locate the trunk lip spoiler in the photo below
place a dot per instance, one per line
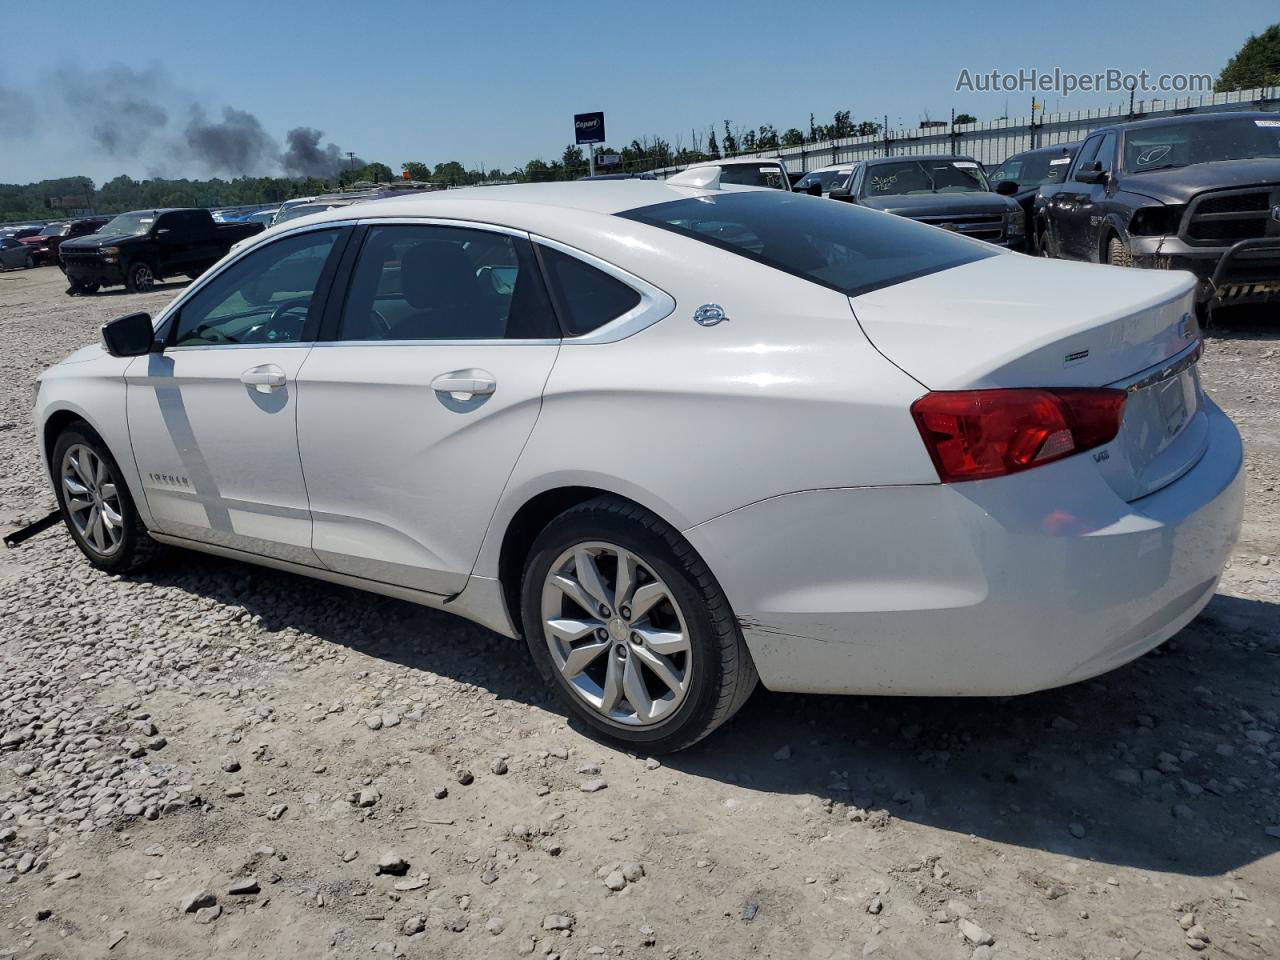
(1164, 370)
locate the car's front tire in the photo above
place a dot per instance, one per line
(140, 277)
(96, 505)
(629, 626)
(1118, 253)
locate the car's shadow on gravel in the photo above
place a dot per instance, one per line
(1253, 322)
(1151, 766)
(169, 286)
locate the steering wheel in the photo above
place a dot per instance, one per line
(278, 320)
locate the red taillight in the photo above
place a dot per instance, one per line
(972, 434)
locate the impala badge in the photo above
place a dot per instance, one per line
(1187, 326)
(709, 314)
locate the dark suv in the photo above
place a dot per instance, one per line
(1198, 193)
(1032, 169)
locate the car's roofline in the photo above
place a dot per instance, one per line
(1156, 122)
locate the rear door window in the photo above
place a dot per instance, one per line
(836, 245)
(429, 282)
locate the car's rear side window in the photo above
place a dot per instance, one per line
(586, 298)
(834, 244)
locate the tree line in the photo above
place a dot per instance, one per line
(30, 201)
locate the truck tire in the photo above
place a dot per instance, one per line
(78, 289)
(1118, 253)
(139, 277)
(1044, 245)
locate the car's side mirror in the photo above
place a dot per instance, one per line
(814, 189)
(1091, 172)
(128, 336)
(841, 193)
(1006, 188)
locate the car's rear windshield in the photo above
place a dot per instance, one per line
(834, 244)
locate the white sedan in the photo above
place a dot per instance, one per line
(677, 439)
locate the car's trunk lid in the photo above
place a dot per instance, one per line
(1013, 321)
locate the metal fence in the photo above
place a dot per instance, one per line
(992, 143)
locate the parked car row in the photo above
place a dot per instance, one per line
(1197, 193)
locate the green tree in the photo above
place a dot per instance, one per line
(730, 141)
(451, 173)
(792, 137)
(417, 170)
(1256, 64)
(841, 126)
(377, 172)
(713, 148)
(966, 118)
(573, 161)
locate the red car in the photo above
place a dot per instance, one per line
(47, 241)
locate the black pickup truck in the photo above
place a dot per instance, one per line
(948, 191)
(1198, 193)
(139, 248)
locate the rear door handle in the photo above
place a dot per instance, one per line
(475, 383)
(264, 378)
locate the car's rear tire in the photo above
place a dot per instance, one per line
(96, 505)
(626, 622)
(30, 262)
(139, 278)
(1118, 253)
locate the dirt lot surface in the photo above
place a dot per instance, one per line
(219, 760)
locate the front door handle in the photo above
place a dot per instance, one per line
(472, 383)
(264, 378)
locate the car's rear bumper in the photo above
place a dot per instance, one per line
(989, 588)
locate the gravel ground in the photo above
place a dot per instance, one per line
(220, 760)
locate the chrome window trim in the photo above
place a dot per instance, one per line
(217, 269)
(655, 304)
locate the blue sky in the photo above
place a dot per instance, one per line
(497, 83)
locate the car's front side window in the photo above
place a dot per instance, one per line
(266, 297)
(1088, 153)
(431, 282)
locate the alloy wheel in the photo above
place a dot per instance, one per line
(93, 499)
(616, 634)
(143, 278)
